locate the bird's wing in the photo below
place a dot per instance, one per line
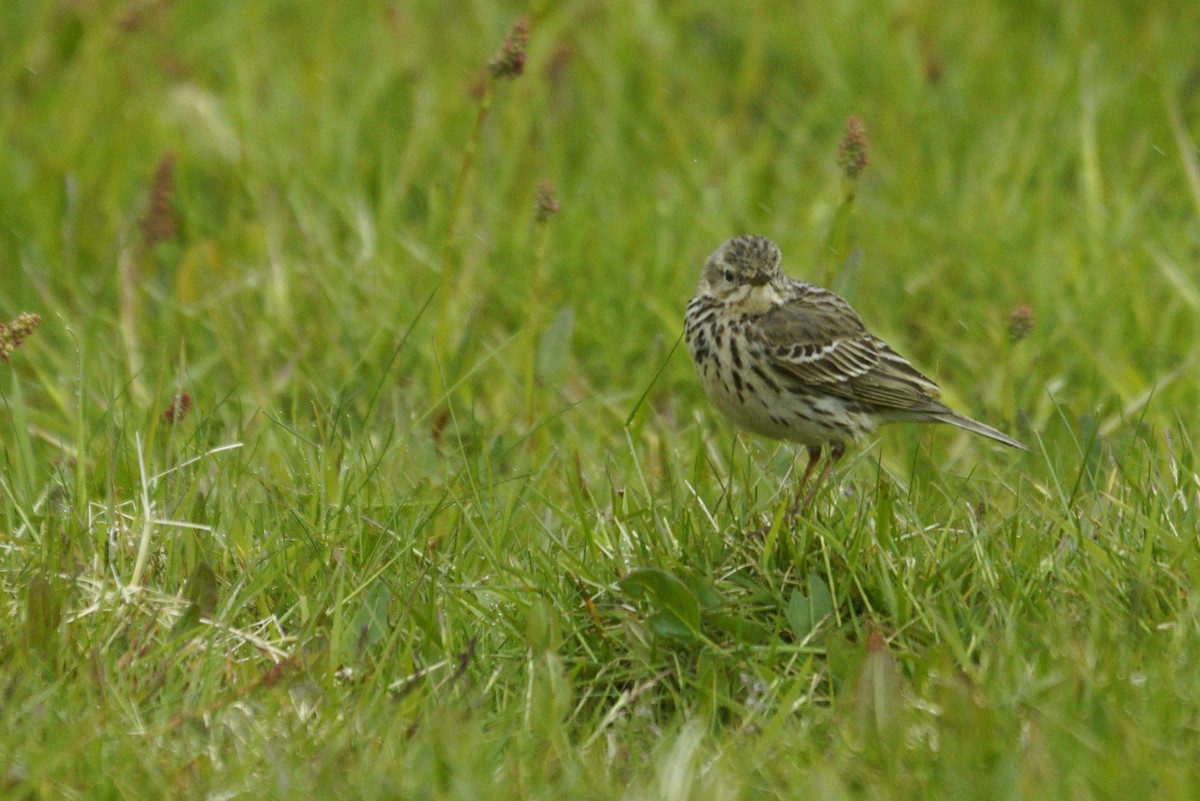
(819, 340)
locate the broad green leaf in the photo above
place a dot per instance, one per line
(805, 613)
(799, 615)
(371, 622)
(743, 630)
(542, 631)
(706, 594)
(819, 598)
(879, 692)
(667, 624)
(670, 594)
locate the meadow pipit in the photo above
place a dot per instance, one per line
(789, 360)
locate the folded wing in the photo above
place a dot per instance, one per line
(821, 341)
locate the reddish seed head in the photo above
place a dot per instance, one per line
(852, 154)
(158, 224)
(14, 333)
(178, 408)
(510, 61)
(1020, 322)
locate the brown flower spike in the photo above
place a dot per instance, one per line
(1020, 322)
(545, 204)
(178, 408)
(852, 154)
(158, 224)
(510, 61)
(14, 333)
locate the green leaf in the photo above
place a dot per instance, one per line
(24, 463)
(879, 693)
(846, 278)
(805, 613)
(799, 615)
(838, 241)
(371, 622)
(819, 598)
(706, 594)
(553, 694)
(742, 630)
(670, 594)
(885, 523)
(200, 591)
(667, 624)
(542, 630)
(43, 616)
(554, 346)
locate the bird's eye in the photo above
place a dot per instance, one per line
(729, 276)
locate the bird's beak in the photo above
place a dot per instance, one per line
(759, 279)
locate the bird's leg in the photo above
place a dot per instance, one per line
(814, 456)
(836, 450)
(835, 454)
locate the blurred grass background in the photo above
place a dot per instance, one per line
(448, 517)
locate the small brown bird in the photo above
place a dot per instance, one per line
(789, 360)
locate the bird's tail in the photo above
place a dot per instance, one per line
(976, 427)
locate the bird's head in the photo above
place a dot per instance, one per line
(740, 267)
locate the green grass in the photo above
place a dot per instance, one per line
(449, 516)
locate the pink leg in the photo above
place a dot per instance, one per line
(836, 450)
(814, 456)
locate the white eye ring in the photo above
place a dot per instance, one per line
(729, 276)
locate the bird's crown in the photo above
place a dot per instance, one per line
(750, 253)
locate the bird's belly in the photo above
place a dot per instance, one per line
(781, 412)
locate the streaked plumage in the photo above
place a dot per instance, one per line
(789, 360)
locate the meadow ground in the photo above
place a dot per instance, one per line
(445, 513)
